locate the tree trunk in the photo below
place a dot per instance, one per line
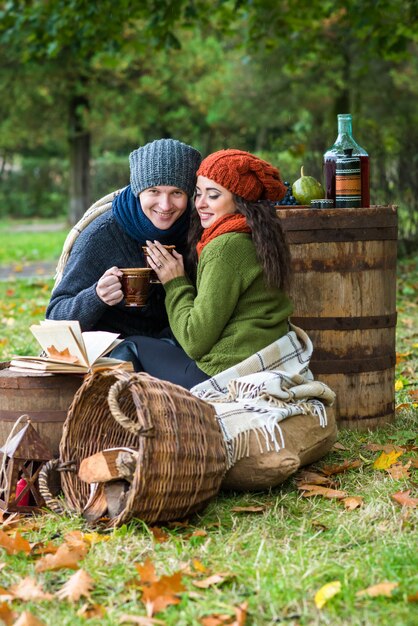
(79, 144)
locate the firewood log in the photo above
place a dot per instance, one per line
(109, 464)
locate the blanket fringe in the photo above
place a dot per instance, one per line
(267, 431)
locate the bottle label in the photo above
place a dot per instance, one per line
(348, 182)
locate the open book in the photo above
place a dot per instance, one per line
(68, 350)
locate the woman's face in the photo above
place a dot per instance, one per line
(212, 201)
(163, 205)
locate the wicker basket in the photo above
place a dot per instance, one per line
(181, 450)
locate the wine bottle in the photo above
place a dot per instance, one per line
(348, 181)
(343, 142)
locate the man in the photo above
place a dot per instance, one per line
(155, 206)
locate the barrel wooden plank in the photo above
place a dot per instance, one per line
(344, 294)
(46, 398)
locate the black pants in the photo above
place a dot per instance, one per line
(162, 358)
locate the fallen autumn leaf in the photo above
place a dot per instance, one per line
(215, 579)
(6, 614)
(402, 497)
(326, 592)
(386, 460)
(14, 545)
(381, 589)
(399, 471)
(29, 590)
(318, 490)
(160, 594)
(78, 585)
(329, 470)
(27, 619)
(353, 502)
(66, 557)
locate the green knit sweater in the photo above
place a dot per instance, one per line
(232, 314)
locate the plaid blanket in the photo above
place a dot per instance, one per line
(268, 387)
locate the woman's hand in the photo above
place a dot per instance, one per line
(167, 266)
(109, 288)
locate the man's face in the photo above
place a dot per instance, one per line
(163, 205)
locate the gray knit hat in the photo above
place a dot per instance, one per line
(164, 162)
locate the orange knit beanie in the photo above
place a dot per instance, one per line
(243, 174)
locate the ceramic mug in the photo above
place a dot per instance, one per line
(154, 277)
(135, 285)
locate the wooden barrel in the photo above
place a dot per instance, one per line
(44, 397)
(344, 293)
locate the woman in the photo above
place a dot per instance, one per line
(155, 205)
(239, 304)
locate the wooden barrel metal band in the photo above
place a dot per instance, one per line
(386, 410)
(352, 366)
(346, 323)
(340, 236)
(295, 219)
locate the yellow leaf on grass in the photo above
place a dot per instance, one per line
(386, 460)
(398, 385)
(381, 589)
(327, 592)
(198, 566)
(93, 538)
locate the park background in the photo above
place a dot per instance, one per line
(82, 85)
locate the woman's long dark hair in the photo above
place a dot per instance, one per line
(267, 234)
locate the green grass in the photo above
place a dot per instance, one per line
(24, 246)
(277, 559)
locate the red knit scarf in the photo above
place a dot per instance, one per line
(231, 223)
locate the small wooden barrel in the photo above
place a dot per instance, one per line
(344, 293)
(44, 397)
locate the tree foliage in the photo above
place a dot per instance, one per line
(263, 75)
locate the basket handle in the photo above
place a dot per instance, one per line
(144, 430)
(43, 483)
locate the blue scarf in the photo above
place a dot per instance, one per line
(129, 215)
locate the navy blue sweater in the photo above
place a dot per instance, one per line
(100, 246)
